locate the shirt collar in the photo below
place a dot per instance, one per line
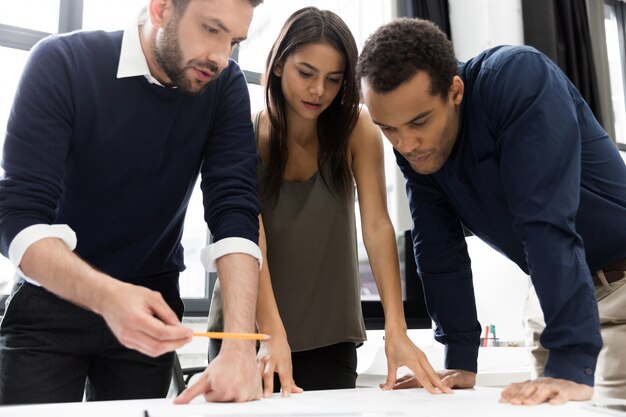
(133, 62)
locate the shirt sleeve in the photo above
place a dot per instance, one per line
(533, 110)
(444, 267)
(229, 183)
(226, 246)
(32, 234)
(36, 144)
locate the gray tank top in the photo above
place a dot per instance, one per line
(312, 256)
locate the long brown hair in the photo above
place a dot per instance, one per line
(335, 124)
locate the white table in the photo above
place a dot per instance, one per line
(364, 402)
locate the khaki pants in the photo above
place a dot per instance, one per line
(610, 377)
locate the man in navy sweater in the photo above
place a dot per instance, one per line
(505, 146)
(107, 136)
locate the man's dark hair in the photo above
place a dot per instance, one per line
(181, 5)
(397, 50)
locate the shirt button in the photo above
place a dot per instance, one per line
(588, 371)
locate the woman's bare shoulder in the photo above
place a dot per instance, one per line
(365, 133)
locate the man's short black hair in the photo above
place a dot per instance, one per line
(397, 50)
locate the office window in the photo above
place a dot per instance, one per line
(270, 16)
(40, 15)
(615, 27)
(257, 100)
(13, 61)
(110, 14)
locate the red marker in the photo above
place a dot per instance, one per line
(486, 336)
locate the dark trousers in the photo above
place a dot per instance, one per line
(328, 367)
(54, 351)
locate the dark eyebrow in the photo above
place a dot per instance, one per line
(419, 116)
(219, 23)
(222, 26)
(415, 119)
(376, 122)
(306, 64)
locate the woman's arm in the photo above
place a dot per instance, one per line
(275, 354)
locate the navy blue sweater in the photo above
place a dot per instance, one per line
(117, 159)
(534, 175)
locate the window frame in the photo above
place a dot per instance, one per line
(70, 19)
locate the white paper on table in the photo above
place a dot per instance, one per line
(373, 402)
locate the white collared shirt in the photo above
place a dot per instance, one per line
(133, 62)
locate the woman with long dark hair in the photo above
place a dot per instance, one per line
(316, 145)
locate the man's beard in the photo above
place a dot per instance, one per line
(168, 56)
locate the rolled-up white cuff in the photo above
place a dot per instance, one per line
(211, 253)
(22, 241)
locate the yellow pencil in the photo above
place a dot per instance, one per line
(223, 335)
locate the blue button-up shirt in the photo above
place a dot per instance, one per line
(535, 176)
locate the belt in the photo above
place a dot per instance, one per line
(612, 273)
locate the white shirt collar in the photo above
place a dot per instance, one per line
(133, 62)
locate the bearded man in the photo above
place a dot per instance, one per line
(107, 136)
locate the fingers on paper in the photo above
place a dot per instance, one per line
(285, 376)
(267, 375)
(428, 377)
(406, 381)
(201, 387)
(552, 390)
